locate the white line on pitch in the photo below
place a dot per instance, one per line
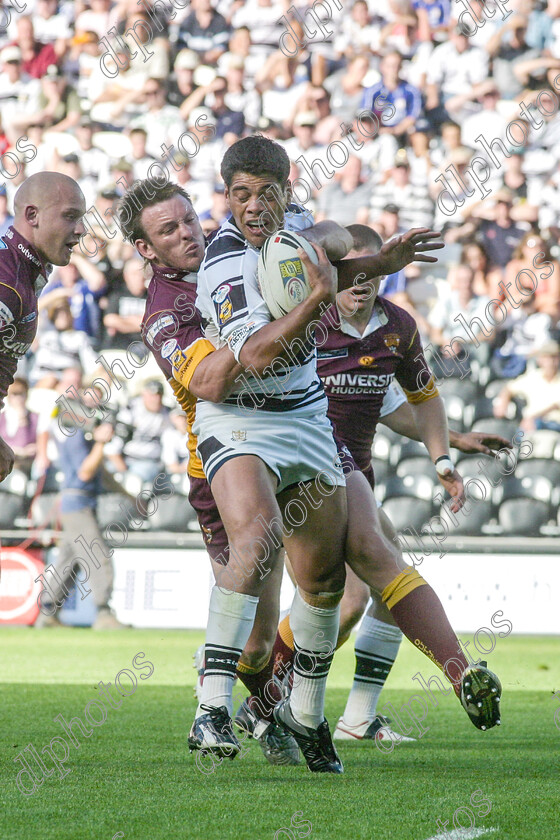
(462, 834)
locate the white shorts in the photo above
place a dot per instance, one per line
(296, 446)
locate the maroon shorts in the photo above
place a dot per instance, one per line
(211, 525)
(349, 464)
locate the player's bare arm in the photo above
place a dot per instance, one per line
(413, 246)
(470, 443)
(431, 421)
(335, 239)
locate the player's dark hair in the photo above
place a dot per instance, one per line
(143, 193)
(256, 155)
(365, 239)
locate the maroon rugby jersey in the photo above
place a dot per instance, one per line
(172, 331)
(22, 277)
(357, 371)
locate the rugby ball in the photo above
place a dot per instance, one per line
(281, 275)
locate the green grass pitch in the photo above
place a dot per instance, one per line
(134, 778)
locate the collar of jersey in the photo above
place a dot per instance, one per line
(162, 272)
(378, 319)
(37, 265)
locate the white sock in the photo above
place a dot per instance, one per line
(230, 621)
(377, 645)
(315, 634)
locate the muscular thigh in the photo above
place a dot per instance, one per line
(314, 535)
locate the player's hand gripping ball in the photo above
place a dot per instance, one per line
(281, 274)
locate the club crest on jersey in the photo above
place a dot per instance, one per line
(392, 341)
(366, 361)
(223, 303)
(207, 534)
(239, 436)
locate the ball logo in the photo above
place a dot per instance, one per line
(366, 361)
(295, 289)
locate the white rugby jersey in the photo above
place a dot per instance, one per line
(233, 309)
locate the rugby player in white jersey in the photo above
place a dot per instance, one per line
(262, 449)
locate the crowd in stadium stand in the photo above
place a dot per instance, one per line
(394, 113)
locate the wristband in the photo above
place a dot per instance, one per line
(444, 463)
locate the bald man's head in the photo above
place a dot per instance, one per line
(48, 210)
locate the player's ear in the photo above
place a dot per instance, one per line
(31, 214)
(145, 249)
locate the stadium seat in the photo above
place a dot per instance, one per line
(13, 499)
(525, 505)
(118, 509)
(483, 409)
(545, 443)
(381, 448)
(173, 514)
(496, 425)
(535, 467)
(408, 502)
(381, 470)
(416, 466)
(407, 449)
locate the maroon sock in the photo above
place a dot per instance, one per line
(422, 619)
(265, 692)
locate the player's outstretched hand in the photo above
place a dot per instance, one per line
(322, 277)
(6, 459)
(410, 247)
(473, 442)
(452, 483)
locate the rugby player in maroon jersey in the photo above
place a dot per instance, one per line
(48, 211)
(370, 342)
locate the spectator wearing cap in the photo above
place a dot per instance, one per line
(125, 308)
(182, 83)
(147, 419)
(501, 235)
(204, 31)
(36, 56)
(303, 145)
(405, 99)
(455, 67)
(6, 219)
(540, 388)
(161, 122)
(19, 93)
(213, 95)
(416, 208)
(18, 425)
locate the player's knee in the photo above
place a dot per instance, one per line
(322, 600)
